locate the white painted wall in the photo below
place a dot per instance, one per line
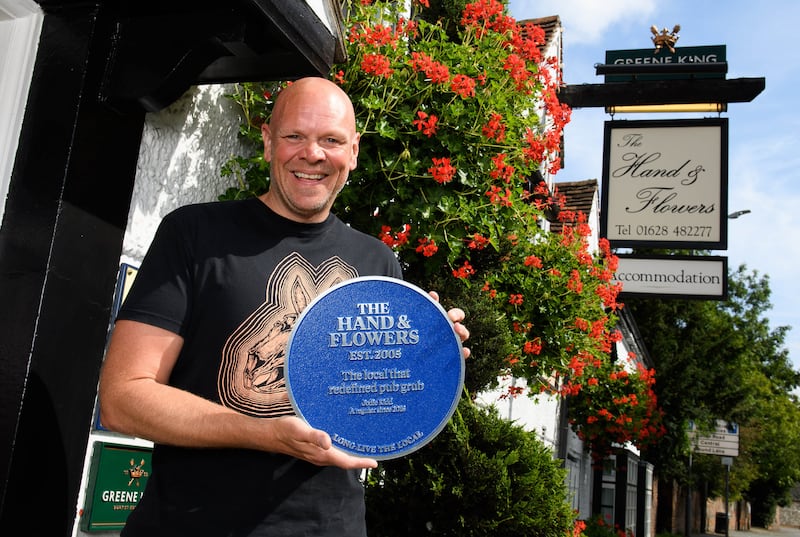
(20, 26)
(183, 149)
(318, 6)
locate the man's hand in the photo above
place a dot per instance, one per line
(292, 436)
(456, 315)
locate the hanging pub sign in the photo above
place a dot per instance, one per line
(673, 276)
(665, 183)
(678, 56)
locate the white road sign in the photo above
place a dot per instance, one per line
(723, 441)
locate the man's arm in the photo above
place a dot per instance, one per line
(136, 400)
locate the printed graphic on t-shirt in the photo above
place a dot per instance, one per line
(251, 376)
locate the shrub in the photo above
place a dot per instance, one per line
(481, 476)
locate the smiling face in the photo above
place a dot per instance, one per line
(312, 145)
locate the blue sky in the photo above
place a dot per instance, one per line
(764, 135)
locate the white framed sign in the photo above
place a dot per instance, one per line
(665, 183)
(673, 276)
(724, 440)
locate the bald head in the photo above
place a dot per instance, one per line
(322, 93)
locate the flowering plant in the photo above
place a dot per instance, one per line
(621, 409)
(597, 526)
(457, 125)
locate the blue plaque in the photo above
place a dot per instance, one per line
(376, 363)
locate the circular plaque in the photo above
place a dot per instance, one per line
(376, 363)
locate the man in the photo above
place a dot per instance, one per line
(195, 360)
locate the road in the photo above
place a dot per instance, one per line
(782, 531)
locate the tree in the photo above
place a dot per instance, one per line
(773, 454)
(721, 360)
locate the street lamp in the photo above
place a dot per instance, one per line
(737, 214)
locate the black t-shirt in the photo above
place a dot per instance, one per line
(231, 279)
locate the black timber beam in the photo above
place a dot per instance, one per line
(737, 90)
(60, 242)
(694, 68)
(160, 49)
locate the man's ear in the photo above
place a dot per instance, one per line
(266, 136)
(354, 161)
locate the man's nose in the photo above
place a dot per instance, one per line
(313, 151)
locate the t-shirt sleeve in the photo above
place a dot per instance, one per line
(381, 261)
(160, 294)
(393, 268)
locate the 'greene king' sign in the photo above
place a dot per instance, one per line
(682, 55)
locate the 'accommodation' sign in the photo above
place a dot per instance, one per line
(665, 183)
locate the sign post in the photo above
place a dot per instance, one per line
(723, 441)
